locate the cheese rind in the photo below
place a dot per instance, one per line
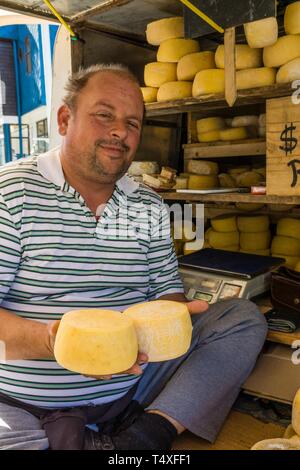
(253, 223)
(203, 181)
(261, 33)
(190, 64)
(210, 124)
(202, 167)
(289, 227)
(158, 73)
(166, 28)
(174, 91)
(246, 58)
(96, 342)
(209, 81)
(164, 328)
(292, 18)
(172, 50)
(289, 72)
(255, 241)
(236, 133)
(149, 94)
(284, 50)
(285, 245)
(253, 78)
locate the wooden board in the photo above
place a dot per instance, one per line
(240, 432)
(225, 149)
(230, 197)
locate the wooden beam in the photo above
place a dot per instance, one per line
(96, 10)
(229, 149)
(230, 70)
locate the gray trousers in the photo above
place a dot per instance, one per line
(197, 389)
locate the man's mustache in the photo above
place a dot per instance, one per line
(112, 143)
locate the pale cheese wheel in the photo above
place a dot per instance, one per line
(255, 241)
(149, 94)
(248, 179)
(96, 342)
(158, 73)
(253, 223)
(181, 182)
(289, 227)
(285, 245)
(211, 136)
(210, 124)
(209, 81)
(202, 167)
(222, 239)
(244, 121)
(226, 180)
(203, 181)
(236, 133)
(190, 64)
(284, 50)
(139, 168)
(289, 72)
(174, 91)
(166, 28)
(224, 223)
(253, 78)
(246, 58)
(276, 444)
(172, 50)
(292, 18)
(163, 327)
(261, 33)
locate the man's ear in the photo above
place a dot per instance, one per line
(63, 116)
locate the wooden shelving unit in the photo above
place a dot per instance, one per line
(230, 197)
(225, 149)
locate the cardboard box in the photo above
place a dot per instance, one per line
(275, 376)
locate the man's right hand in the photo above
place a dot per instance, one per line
(52, 328)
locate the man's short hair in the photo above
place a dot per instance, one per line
(78, 80)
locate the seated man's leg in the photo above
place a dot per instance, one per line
(199, 389)
(20, 430)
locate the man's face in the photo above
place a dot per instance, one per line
(102, 133)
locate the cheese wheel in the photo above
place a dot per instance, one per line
(96, 342)
(164, 328)
(258, 252)
(290, 261)
(181, 182)
(248, 179)
(226, 180)
(261, 33)
(246, 58)
(292, 18)
(276, 444)
(253, 78)
(296, 413)
(297, 266)
(139, 168)
(289, 227)
(284, 50)
(190, 64)
(253, 223)
(230, 248)
(203, 181)
(222, 239)
(166, 28)
(224, 223)
(212, 136)
(210, 124)
(174, 91)
(172, 50)
(158, 73)
(242, 121)
(200, 167)
(289, 72)
(209, 81)
(285, 245)
(255, 241)
(238, 170)
(149, 94)
(236, 133)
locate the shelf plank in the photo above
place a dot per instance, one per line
(217, 100)
(222, 149)
(230, 197)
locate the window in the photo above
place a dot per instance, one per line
(42, 141)
(28, 55)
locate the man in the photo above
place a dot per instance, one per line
(59, 252)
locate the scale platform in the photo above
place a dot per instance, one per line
(214, 275)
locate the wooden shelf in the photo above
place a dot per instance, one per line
(230, 197)
(225, 149)
(217, 101)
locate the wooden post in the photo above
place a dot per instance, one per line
(230, 72)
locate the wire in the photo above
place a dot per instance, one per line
(55, 13)
(202, 15)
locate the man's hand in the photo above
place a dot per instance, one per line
(52, 328)
(197, 306)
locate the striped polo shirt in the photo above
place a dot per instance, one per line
(56, 256)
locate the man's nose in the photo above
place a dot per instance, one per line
(119, 129)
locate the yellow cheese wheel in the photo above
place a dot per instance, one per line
(289, 227)
(290, 261)
(226, 180)
(246, 58)
(236, 133)
(174, 91)
(255, 241)
(296, 413)
(190, 64)
(166, 28)
(158, 73)
(253, 223)
(285, 245)
(211, 136)
(253, 78)
(224, 223)
(284, 50)
(149, 94)
(261, 33)
(289, 72)
(202, 167)
(96, 342)
(164, 328)
(203, 181)
(172, 50)
(222, 239)
(292, 18)
(248, 179)
(210, 124)
(209, 81)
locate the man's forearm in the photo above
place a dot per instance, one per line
(22, 338)
(179, 297)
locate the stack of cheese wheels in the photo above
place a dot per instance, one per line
(202, 174)
(96, 342)
(255, 235)
(224, 234)
(286, 243)
(164, 328)
(208, 129)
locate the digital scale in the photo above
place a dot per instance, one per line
(214, 275)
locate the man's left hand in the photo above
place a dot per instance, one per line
(197, 306)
